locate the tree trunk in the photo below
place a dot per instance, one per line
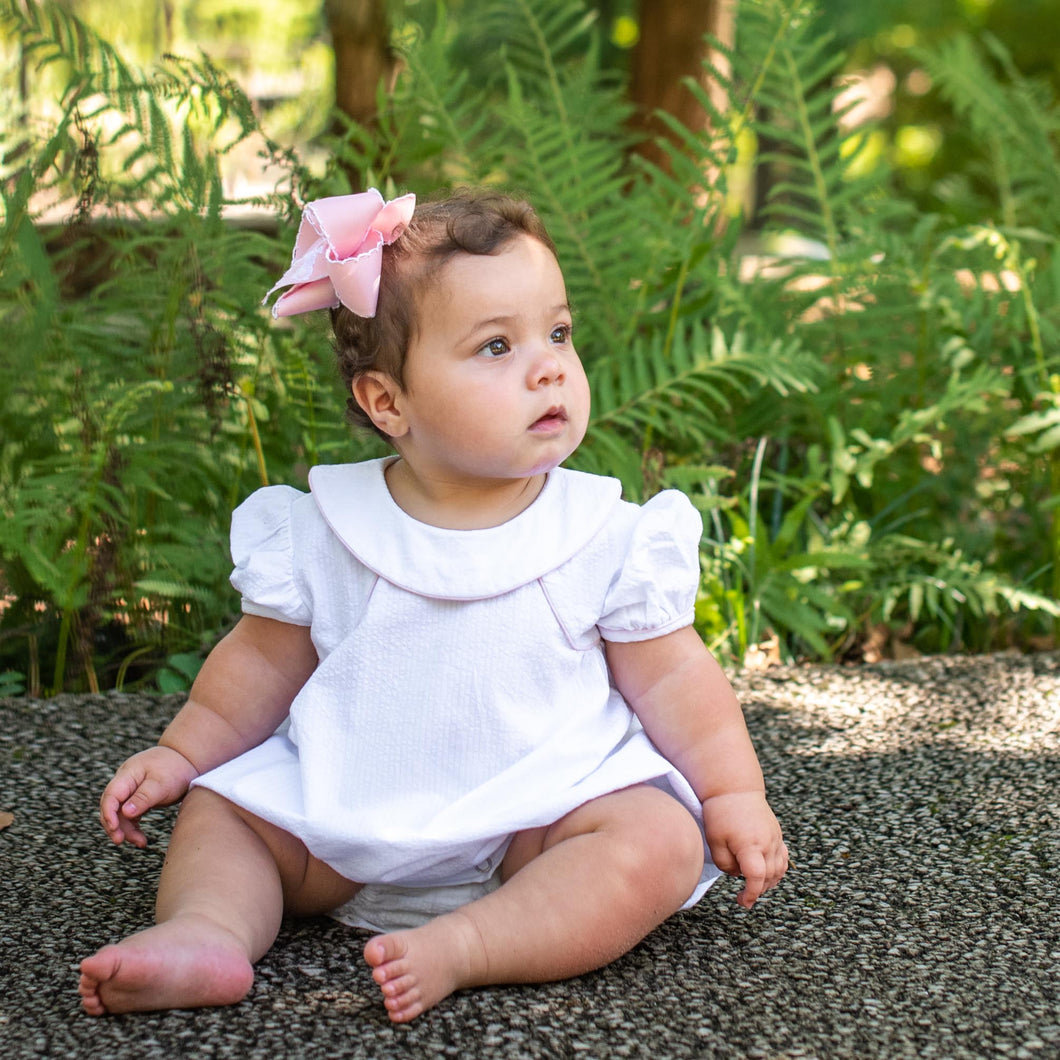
(672, 47)
(360, 38)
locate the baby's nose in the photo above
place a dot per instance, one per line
(546, 370)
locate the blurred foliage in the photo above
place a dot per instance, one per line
(935, 154)
(857, 385)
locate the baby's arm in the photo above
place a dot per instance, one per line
(241, 695)
(691, 713)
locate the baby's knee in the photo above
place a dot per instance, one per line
(665, 851)
(680, 846)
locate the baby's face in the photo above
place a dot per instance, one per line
(494, 388)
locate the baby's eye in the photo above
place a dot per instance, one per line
(495, 348)
(560, 334)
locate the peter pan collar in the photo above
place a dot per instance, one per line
(354, 500)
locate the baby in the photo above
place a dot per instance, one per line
(465, 706)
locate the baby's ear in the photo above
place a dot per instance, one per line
(380, 397)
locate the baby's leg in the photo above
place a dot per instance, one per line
(576, 896)
(227, 879)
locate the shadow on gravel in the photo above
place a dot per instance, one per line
(922, 918)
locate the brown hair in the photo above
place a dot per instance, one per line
(465, 223)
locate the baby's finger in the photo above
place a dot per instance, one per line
(110, 815)
(782, 866)
(753, 870)
(148, 794)
(132, 832)
(776, 865)
(724, 860)
(121, 786)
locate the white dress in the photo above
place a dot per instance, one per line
(462, 693)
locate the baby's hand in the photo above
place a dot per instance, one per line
(158, 776)
(745, 840)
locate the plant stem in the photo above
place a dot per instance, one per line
(34, 689)
(1048, 382)
(675, 308)
(119, 680)
(59, 672)
(256, 438)
(752, 528)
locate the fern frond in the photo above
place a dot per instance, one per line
(52, 34)
(566, 150)
(792, 65)
(678, 392)
(537, 37)
(171, 589)
(1014, 118)
(435, 123)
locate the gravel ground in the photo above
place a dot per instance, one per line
(921, 801)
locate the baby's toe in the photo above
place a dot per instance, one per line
(399, 986)
(401, 1009)
(383, 949)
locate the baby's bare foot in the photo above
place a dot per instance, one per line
(188, 962)
(416, 969)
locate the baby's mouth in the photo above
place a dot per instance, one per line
(555, 416)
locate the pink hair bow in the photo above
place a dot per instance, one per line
(338, 253)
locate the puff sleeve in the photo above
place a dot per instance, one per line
(263, 554)
(654, 589)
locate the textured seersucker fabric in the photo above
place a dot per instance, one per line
(462, 693)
